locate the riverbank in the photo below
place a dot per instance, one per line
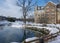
(53, 28)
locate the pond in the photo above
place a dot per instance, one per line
(9, 34)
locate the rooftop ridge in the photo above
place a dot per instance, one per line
(51, 2)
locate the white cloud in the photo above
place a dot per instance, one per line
(9, 8)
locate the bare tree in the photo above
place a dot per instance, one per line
(26, 6)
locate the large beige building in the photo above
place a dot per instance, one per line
(51, 11)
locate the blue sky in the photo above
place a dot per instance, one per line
(44, 2)
(9, 7)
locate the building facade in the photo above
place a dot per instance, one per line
(39, 12)
(58, 13)
(51, 11)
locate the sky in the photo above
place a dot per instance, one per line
(44, 2)
(9, 7)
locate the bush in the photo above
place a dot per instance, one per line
(11, 19)
(42, 31)
(44, 25)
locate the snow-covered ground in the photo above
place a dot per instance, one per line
(56, 40)
(31, 39)
(14, 42)
(4, 22)
(20, 24)
(51, 27)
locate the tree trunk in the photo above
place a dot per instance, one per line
(24, 14)
(25, 19)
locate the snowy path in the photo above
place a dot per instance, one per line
(56, 40)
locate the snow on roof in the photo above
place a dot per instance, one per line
(51, 2)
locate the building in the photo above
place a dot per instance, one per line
(58, 13)
(51, 11)
(39, 12)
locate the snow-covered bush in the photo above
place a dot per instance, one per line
(40, 31)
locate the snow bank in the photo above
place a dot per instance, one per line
(52, 30)
(4, 22)
(14, 42)
(51, 27)
(58, 25)
(17, 26)
(31, 39)
(57, 40)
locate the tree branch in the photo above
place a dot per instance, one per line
(19, 3)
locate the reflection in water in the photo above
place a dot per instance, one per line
(1, 27)
(10, 34)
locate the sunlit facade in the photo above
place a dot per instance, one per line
(50, 10)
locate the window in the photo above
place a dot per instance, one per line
(52, 9)
(52, 17)
(47, 7)
(53, 20)
(52, 14)
(58, 9)
(46, 14)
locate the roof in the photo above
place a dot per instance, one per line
(51, 2)
(40, 7)
(58, 5)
